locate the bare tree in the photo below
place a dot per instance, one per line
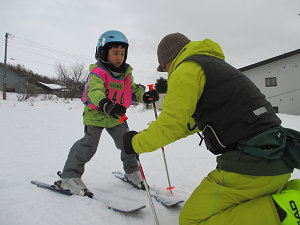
(25, 90)
(78, 74)
(64, 76)
(73, 77)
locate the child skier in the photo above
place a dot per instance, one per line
(107, 94)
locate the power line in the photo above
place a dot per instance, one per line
(33, 61)
(42, 51)
(35, 53)
(43, 47)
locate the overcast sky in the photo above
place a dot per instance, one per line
(48, 32)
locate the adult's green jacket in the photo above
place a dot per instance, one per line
(185, 86)
(96, 91)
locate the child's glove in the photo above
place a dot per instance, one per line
(150, 96)
(127, 142)
(115, 110)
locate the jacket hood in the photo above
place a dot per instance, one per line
(205, 47)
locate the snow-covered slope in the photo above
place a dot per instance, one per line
(35, 137)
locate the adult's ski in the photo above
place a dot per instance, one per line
(158, 195)
(117, 207)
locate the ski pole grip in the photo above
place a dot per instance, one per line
(150, 89)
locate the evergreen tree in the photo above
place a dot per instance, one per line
(161, 85)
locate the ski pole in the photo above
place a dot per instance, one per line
(145, 182)
(147, 190)
(162, 148)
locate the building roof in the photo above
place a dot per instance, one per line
(28, 79)
(54, 86)
(39, 84)
(267, 61)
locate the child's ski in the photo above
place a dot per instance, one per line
(158, 195)
(118, 208)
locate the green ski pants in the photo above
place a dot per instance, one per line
(233, 199)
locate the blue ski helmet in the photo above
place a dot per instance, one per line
(109, 37)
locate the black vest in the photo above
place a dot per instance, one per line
(231, 107)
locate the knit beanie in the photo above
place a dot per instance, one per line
(169, 47)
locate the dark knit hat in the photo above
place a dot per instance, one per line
(169, 47)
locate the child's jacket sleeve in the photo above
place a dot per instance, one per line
(137, 91)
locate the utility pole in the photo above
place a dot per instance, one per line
(7, 35)
(4, 68)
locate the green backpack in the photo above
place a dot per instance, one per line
(274, 144)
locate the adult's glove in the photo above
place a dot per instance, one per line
(127, 142)
(150, 96)
(113, 109)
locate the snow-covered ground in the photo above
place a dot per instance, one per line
(35, 137)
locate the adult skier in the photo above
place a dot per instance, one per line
(238, 124)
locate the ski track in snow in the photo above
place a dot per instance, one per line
(36, 136)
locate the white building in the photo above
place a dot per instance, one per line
(278, 78)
